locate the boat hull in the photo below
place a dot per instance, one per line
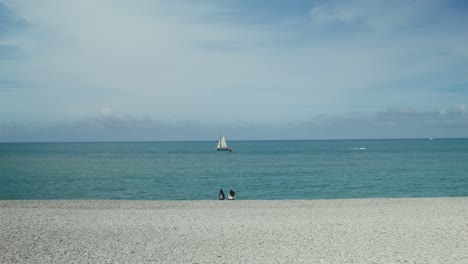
(224, 149)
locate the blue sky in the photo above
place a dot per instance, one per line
(192, 70)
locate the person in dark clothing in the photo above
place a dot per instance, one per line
(221, 194)
(231, 195)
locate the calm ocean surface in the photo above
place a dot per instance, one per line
(255, 169)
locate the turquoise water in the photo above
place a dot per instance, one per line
(255, 169)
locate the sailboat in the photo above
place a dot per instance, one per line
(222, 145)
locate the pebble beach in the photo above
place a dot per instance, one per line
(404, 230)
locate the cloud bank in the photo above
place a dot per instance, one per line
(448, 122)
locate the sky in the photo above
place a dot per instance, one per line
(124, 70)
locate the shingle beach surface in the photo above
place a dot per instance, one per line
(425, 230)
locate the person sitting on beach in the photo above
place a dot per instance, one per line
(231, 195)
(221, 194)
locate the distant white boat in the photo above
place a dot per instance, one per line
(222, 145)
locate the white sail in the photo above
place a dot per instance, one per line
(222, 145)
(222, 142)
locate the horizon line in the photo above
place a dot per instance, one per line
(231, 140)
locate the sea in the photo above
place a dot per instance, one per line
(255, 170)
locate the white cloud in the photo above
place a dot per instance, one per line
(379, 15)
(106, 110)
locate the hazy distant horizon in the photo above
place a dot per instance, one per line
(233, 140)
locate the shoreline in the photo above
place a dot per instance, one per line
(370, 230)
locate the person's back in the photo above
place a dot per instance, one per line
(231, 195)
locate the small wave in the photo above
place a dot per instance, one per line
(358, 148)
